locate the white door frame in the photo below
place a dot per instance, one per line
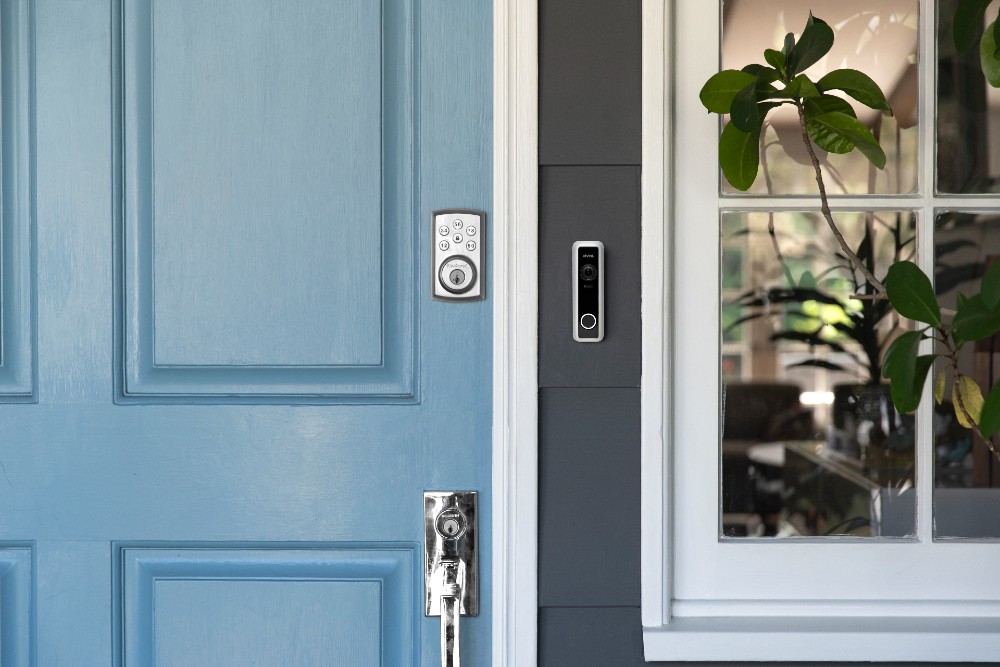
(515, 332)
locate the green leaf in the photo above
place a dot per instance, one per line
(743, 113)
(991, 286)
(813, 44)
(939, 384)
(761, 73)
(858, 85)
(838, 133)
(996, 33)
(989, 420)
(739, 156)
(788, 45)
(906, 391)
(834, 142)
(988, 57)
(901, 355)
(775, 59)
(817, 106)
(975, 320)
(718, 92)
(910, 293)
(968, 23)
(802, 87)
(907, 371)
(971, 397)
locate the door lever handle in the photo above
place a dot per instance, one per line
(451, 565)
(451, 615)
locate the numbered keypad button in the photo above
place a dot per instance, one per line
(443, 230)
(470, 230)
(456, 223)
(470, 246)
(444, 245)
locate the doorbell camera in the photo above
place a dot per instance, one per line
(588, 291)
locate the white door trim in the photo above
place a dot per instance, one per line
(515, 336)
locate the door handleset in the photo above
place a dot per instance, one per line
(451, 565)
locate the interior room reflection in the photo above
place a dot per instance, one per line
(811, 445)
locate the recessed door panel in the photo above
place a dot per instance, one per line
(268, 222)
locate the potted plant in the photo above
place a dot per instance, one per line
(830, 122)
(847, 331)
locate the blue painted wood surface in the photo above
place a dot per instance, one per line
(198, 393)
(347, 606)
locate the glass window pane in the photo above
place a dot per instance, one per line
(811, 445)
(877, 38)
(966, 474)
(968, 114)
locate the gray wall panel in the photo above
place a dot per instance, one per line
(589, 204)
(589, 67)
(609, 637)
(589, 497)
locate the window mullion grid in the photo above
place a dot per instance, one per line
(926, 186)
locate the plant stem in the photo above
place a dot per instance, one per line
(877, 284)
(789, 278)
(825, 208)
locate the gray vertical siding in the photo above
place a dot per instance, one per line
(589, 155)
(589, 158)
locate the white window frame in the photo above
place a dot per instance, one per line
(705, 599)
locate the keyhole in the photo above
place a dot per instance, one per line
(457, 277)
(450, 524)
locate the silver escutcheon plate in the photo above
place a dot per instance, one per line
(451, 541)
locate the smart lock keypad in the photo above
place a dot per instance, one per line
(457, 271)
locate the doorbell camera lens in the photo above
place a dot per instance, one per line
(588, 272)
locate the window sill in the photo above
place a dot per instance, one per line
(923, 639)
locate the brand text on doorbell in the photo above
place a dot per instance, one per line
(588, 291)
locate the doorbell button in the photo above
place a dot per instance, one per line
(588, 291)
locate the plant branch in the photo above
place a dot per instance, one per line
(825, 207)
(770, 214)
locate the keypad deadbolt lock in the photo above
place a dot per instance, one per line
(457, 273)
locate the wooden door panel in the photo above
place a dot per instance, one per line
(15, 604)
(17, 330)
(279, 606)
(268, 220)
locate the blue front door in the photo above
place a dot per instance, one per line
(224, 383)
